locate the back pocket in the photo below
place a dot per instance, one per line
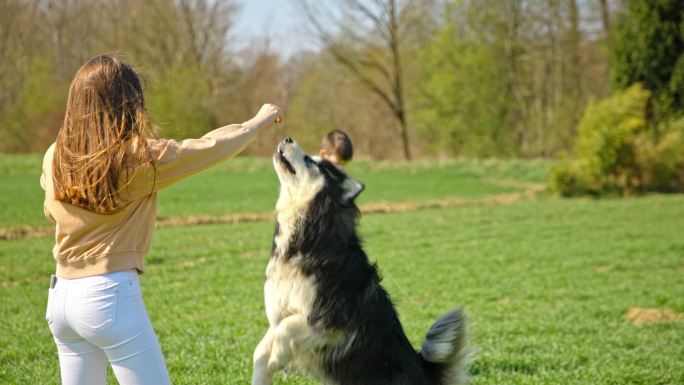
(95, 311)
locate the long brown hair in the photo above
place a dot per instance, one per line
(104, 134)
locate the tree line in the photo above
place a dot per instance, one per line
(406, 79)
(633, 141)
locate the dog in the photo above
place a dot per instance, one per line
(328, 314)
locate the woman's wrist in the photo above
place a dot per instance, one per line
(253, 123)
(266, 114)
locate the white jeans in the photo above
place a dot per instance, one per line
(100, 319)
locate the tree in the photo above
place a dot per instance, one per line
(505, 77)
(367, 42)
(647, 46)
(605, 16)
(183, 58)
(461, 102)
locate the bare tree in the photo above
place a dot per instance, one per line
(207, 24)
(188, 31)
(605, 16)
(575, 41)
(367, 42)
(261, 79)
(512, 52)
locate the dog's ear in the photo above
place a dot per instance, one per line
(351, 189)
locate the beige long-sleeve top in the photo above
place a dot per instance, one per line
(88, 243)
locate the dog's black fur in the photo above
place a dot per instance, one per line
(350, 299)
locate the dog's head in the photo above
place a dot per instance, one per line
(304, 179)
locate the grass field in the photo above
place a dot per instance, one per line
(250, 185)
(546, 283)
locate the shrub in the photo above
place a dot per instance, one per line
(604, 155)
(618, 152)
(662, 161)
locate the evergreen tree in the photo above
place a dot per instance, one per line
(647, 46)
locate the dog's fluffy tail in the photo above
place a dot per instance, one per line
(443, 351)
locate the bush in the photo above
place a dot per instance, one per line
(604, 157)
(617, 151)
(662, 161)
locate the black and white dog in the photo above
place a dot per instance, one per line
(329, 316)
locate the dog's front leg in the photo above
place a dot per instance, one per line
(261, 374)
(292, 333)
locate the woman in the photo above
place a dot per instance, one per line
(101, 179)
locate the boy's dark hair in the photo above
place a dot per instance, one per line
(338, 143)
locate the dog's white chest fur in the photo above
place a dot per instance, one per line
(287, 290)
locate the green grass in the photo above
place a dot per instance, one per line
(21, 197)
(250, 185)
(545, 283)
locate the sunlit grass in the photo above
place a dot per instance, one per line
(250, 185)
(545, 285)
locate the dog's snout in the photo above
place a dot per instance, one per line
(288, 140)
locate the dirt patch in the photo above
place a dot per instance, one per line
(603, 268)
(509, 198)
(209, 220)
(371, 208)
(645, 315)
(25, 232)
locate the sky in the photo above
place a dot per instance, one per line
(277, 20)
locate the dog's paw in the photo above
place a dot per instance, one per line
(261, 374)
(261, 377)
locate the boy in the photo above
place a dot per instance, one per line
(336, 147)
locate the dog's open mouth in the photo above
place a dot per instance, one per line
(285, 162)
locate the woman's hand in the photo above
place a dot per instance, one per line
(268, 112)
